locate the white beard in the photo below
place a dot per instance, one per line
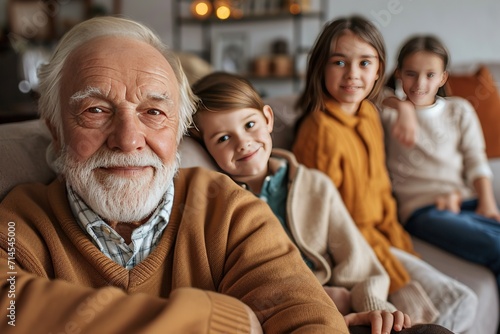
(117, 198)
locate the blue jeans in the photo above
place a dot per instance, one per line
(467, 234)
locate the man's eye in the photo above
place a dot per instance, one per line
(95, 110)
(153, 118)
(250, 125)
(223, 139)
(94, 117)
(153, 112)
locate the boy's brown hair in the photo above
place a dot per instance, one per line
(222, 91)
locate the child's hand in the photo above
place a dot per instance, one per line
(451, 202)
(405, 129)
(487, 205)
(488, 211)
(381, 322)
(341, 297)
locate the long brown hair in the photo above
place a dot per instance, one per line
(312, 97)
(221, 91)
(427, 43)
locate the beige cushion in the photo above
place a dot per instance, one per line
(285, 117)
(23, 147)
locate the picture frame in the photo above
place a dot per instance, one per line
(230, 52)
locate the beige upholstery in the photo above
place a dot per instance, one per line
(22, 147)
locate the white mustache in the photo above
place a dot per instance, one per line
(105, 158)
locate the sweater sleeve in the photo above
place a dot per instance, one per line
(109, 309)
(268, 273)
(356, 265)
(472, 143)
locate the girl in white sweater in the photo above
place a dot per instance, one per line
(441, 177)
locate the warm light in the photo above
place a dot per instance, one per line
(295, 9)
(223, 12)
(201, 8)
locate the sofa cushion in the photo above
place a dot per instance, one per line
(194, 155)
(478, 278)
(23, 146)
(285, 117)
(480, 90)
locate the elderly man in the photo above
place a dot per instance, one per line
(123, 241)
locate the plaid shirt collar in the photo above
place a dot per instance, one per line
(144, 238)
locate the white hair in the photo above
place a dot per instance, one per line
(50, 74)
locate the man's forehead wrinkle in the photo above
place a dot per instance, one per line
(96, 67)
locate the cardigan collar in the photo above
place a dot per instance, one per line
(333, 109)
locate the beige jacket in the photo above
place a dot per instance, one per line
(325, 232)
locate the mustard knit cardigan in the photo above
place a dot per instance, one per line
(350, 149)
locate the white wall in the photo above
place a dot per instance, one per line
(469, 28)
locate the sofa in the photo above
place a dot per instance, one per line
(23, 148)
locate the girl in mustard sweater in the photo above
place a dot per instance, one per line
(340, 134)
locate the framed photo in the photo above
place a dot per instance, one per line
(230, 52)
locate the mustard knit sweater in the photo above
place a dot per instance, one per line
(350, 149)
(221, 248)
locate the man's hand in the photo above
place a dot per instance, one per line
(451, 202)
(381, 322)
(341, 297)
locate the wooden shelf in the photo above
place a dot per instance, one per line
(250, 18)
(214, 37)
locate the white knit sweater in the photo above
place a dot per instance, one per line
(449, 154)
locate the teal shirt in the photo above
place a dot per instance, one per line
(275, 192)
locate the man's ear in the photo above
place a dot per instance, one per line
(269, 115)
(55, 136)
